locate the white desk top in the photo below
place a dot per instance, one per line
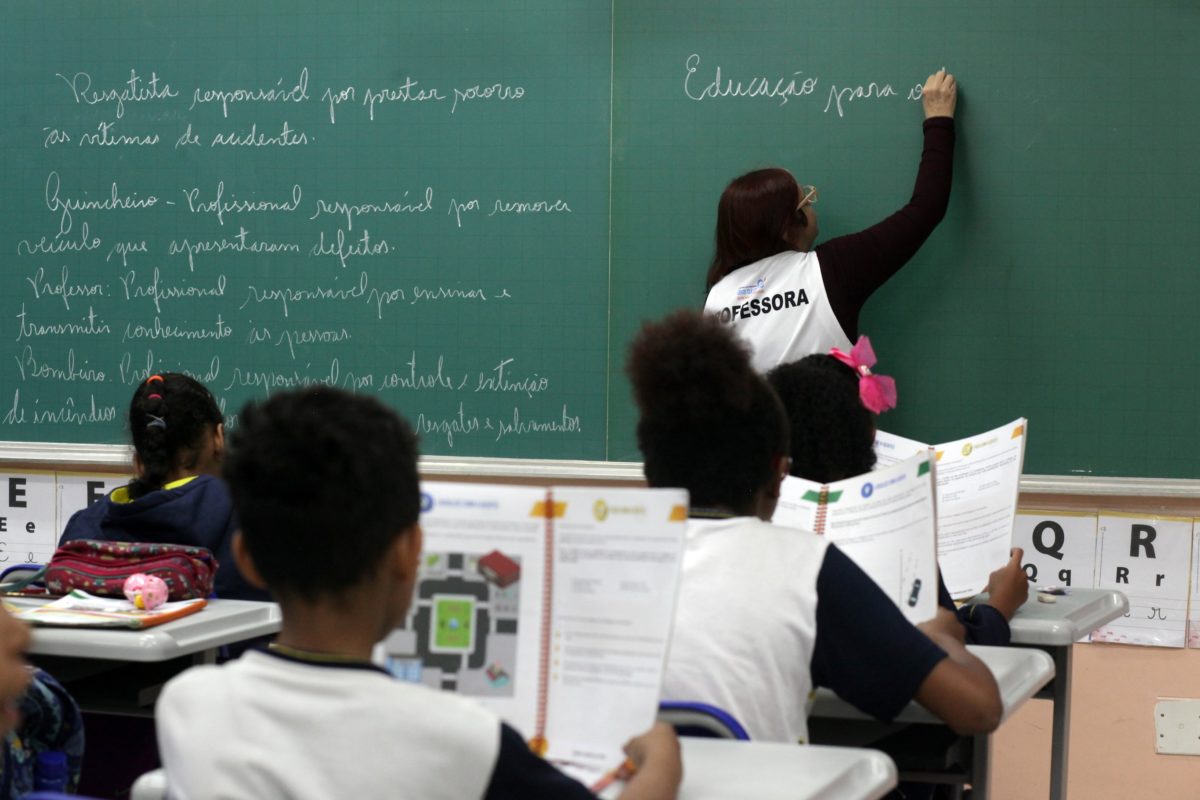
(1019, 672)
(722, 769)
(1068, 619)
(221, 622)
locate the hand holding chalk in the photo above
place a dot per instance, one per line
(939, 95)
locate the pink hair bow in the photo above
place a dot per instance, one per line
(877, 392)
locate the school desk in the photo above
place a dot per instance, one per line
(1054, 628)
(1019, 673)
(719, 769)
(219, 623)
(121, 671)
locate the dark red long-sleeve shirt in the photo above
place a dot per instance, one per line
(854, 266)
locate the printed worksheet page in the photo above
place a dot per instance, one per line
(475, 625)
(978, 479)
(885, 521)
(617, 554)
(892, 449)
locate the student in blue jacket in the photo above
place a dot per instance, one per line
(179, 438)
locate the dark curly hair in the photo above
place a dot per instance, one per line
(323, 483)
(708, 422)
(833, 433)
(169, 416)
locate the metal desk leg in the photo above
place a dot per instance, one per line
(981, 754)
(208, 656)
(1062, 720)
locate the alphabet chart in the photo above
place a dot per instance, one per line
(78, 490)
(1060, 548)
(1149, 559)
(1194, 607)
(27, 531)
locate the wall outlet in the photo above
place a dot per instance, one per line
(1177, 727)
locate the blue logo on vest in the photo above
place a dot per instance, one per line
(868, 489)
(426, 502)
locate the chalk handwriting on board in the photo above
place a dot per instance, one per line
(278, 93)
(171, 280)
(30, 367)
(65, 205)
(219, 206)
(135, 90)
(784, 88)
(240, 243)
(62, 287)
(795, 85)
(90, 325)
(353, 211)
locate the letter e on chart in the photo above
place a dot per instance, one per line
(29, 534)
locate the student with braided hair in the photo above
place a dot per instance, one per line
(176, 497)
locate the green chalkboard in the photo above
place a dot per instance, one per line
(1061, 286)
(406, 198)
(516, 186)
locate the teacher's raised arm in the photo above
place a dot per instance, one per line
(789, 298)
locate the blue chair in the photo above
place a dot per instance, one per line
(701, 720)
(19, 576)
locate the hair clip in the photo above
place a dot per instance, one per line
(156, 422)
(877, 392)
(153, 378)
(154, 396)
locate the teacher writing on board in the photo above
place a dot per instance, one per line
(789, 299)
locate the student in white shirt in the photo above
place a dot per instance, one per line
(766, 612)
(325, 487)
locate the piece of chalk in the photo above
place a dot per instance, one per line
(1047, 598)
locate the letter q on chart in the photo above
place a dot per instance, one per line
(1060, 547)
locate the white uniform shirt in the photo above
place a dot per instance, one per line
(746, 624)
(265, 726)
(781, 307)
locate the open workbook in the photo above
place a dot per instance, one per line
(885, 521)
(552, 607)
(978, 480)
(78, 609)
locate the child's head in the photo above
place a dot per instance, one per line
(708, 422)
(833, 433)
(177, 431)
(325, 487)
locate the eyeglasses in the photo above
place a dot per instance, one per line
(808, 196)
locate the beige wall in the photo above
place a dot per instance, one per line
(1112, 706)
(1112, 730)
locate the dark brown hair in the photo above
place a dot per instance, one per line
(756, 218)
(168, 416)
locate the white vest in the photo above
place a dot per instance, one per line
(779, 305)
(746, 623)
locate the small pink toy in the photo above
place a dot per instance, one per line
(146, 592)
